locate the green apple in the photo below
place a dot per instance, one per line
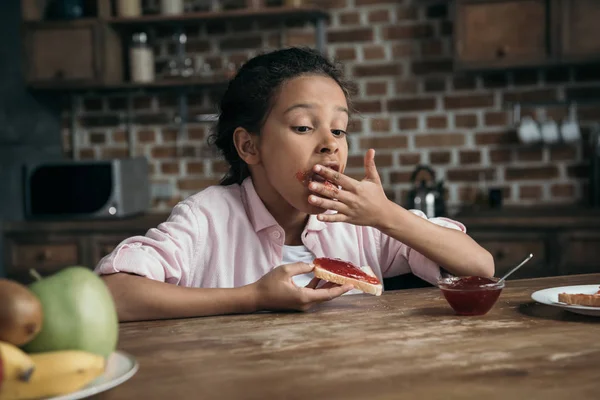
(79, 313)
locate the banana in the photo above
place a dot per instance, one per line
(16, 364)
(63, 362)
(56, 373)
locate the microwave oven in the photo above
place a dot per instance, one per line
(86, 189)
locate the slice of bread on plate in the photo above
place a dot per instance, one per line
(343, 272)
(580, 299)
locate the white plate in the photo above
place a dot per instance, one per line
(120, 367)
(550, 297)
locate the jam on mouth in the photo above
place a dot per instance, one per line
(307, 177)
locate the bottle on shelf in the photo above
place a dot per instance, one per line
(129, 8)
(141, 58)
(255, 4)
(293, 3)
(171, 7)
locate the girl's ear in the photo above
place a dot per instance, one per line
(246, 146)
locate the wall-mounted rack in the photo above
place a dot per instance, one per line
(76, 89)
(544, 129)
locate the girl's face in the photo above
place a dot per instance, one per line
(306, 126)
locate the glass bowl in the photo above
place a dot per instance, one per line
(471, 295)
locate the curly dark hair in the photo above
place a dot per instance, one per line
(251, 94)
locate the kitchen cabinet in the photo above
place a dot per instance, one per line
(49, 246)
(500, 33)
(563, 243)
(97, 46)
(494, 34)
(45, 253)
(581, 251)
(99, 41)
(509, 248)
(103, 245)
(580, 33)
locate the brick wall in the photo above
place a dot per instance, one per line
(411, 107)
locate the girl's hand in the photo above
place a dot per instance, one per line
(277, 291)
(359, 203)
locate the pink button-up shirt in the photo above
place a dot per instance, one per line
(224, 237)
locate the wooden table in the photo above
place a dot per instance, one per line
(403, 344)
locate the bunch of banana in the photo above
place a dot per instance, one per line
(38, 375)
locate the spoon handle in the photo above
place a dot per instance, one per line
(516, 268)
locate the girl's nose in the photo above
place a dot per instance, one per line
(329, 144)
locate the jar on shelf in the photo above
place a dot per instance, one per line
(293, 3)
(171, 7)
(129, 8)
(201, 67)
(255, 4)
(141, 58)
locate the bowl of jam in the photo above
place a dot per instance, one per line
(471, 295)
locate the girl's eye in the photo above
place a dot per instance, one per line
(302, 129)
(338, 132)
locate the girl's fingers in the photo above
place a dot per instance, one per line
(370, 167)
(337, 178)
(333, 218)
(329, 190)
(328, 285)
(314, 282)
(316, 296)
(328, 204)
(297, 268)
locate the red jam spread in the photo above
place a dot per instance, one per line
(343, 268)
(470, 283)
(329, 185)
(302, 177)
(470, 296)
(306, 177)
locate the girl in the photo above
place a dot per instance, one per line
(246, 245)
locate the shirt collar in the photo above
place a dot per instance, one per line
(261, 218)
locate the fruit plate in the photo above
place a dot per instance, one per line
(120, 367)
(550, 297)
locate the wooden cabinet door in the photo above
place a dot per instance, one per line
(500, 33)
(63, 54)
(102, 245)
(46, 254)
(581, 252)
(72, 53)
(580, 29)
(510, 248)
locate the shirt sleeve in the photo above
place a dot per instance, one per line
(165, 253)
(401, 259)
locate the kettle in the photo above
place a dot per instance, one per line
(427, 195)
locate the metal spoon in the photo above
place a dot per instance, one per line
(515, 268)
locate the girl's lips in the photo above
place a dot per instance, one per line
(305, 178)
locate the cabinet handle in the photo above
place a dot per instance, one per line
(60, 74)
(501, 52)
(500, 255)
(44, 255)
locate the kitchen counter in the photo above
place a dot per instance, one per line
(505, 217)
(137, 223)
(531, 217)
(564, 240)
(404, 344)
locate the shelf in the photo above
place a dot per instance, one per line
(276, 13)
(188, 18)
(58, 23)
(161, 85)
(316, 15)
